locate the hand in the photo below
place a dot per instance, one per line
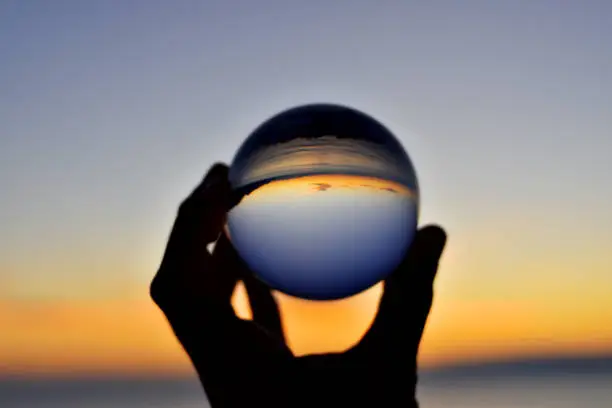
(247, 363)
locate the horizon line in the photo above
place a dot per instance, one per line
(582, 363)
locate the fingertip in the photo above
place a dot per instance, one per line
(218, 173)
(214, 190)
(434, 229)
(432, 239)
(421, 262)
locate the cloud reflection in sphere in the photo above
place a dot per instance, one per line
(327, 202)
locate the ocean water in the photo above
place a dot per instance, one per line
(551, 390)
(548, 391)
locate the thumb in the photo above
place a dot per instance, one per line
(420, 265)
(409, 290)
(407, 297)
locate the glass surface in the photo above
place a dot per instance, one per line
(326, 202)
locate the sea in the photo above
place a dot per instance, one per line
(497, 386)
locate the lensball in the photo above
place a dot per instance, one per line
(326, 202)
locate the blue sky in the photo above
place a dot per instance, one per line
(111, 111)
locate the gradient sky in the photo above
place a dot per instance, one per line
(326, 236)
(111, 111)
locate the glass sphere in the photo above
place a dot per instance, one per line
(326, 202)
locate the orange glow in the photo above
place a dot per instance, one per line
(309, 184)
(313, 327)
(477, 315)
(460, 331)
(457, 331)
(126, 337)
(133, 337)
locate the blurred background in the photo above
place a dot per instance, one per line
(112, 111)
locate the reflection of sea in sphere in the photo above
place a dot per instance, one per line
(327, 202)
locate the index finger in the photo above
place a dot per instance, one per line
(193, 288)
(186, 269)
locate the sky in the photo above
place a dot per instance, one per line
(336, 235)
(111, 111)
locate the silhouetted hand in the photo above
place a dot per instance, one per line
(247, 363)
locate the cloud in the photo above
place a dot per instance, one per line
(327, 186)
(389, 189)
(322, 186)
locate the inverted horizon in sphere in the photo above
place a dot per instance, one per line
(321, 139)
(325, 201)
(323, 155)
(324, 237)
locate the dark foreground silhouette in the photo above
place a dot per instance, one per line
(247, 363)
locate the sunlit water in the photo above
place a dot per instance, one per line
(324, 236)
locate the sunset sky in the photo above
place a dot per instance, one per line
(111, 111)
